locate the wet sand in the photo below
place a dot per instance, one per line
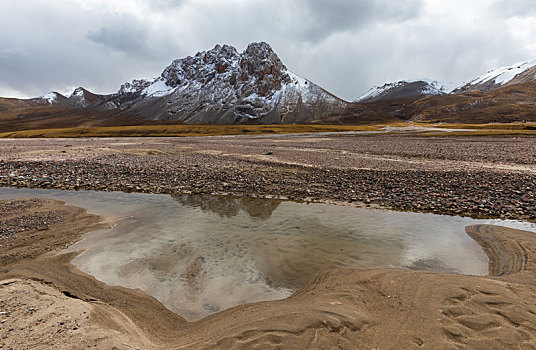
(45, 302)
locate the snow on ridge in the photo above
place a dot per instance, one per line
(499, 76)
(377, 90)
(504, 74)
(433, 87)
(296, 79)
(442, 86)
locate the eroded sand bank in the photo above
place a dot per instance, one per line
(45, 300)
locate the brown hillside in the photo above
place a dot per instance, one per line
(18, 115)
(514, 103)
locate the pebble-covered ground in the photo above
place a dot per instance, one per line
(471, 176)
(11, 222)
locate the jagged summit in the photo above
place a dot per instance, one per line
(79, 92)
(258, 62)
(222, 85)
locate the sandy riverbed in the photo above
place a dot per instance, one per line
(46, 303)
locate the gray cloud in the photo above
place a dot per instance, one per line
(332, 16)
(346, 46)
(520, 8)
(127, 39)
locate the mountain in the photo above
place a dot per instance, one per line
(502, 95)
(219, 86)
(224, 86)
(507, 104)
(407, 89)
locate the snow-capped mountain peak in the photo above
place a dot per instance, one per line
(78, 92)
(223, 83)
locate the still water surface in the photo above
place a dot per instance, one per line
(203, 254)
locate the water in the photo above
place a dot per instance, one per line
(203, 254)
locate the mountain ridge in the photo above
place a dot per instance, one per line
(225, 86)
(520, 72)
(219, 86)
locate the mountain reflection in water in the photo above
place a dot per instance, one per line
(226, 206)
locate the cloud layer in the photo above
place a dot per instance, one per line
(346, 46)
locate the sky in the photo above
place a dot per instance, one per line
(345, 46)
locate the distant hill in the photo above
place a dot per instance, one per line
(502, 95)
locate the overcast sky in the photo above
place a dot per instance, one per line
(345, 46)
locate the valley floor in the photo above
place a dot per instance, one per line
(460, 175)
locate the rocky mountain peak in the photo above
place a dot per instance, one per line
(258, 63)
(260, 51)
(202, 67)
(225, 86)
(261, 63)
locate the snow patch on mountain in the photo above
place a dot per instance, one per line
(442, 86)
(158, 88)
(78, 98)
(51, 97)
(78, 92)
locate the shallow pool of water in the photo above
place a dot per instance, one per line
(202, 254)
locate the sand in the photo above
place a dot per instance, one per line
(45, 300)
